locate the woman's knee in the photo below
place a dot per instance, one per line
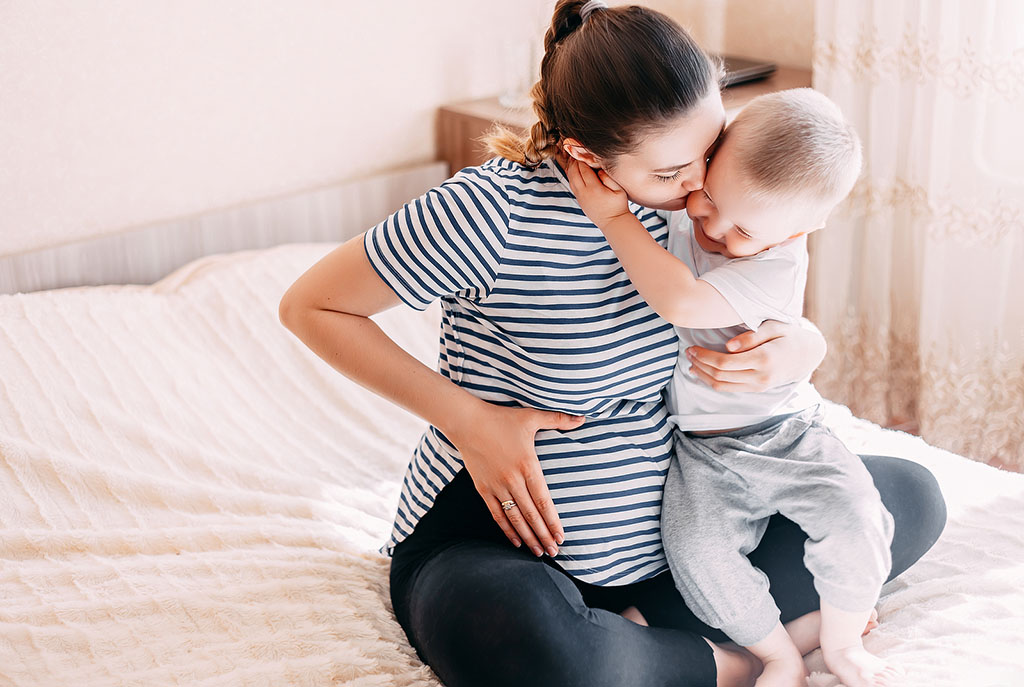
(479, 618)
(912, 495)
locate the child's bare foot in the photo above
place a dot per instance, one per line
(633, 613)
(783, 672)
(856, 667)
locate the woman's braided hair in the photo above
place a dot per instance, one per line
(606, 80)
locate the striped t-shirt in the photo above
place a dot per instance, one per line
(538, 312)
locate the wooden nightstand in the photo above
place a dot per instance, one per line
(459, 126)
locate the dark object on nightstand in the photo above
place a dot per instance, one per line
(743, 69)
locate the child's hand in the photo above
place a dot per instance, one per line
(600, 197)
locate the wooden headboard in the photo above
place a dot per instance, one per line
(142, 255)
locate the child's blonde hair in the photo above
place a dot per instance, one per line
(795, 142)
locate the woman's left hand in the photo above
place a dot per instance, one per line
(773, 355)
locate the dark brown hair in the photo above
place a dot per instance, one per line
(622, 73)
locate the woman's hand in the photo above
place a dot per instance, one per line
(775, 354)
(497, 447)
(329, 309)
(600, 197)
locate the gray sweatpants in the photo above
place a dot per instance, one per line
(721, 490)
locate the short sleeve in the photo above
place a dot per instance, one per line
(449, 241)
(766, 286)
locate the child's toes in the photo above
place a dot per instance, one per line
(890, 676)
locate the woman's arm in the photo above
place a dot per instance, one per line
(329, 309)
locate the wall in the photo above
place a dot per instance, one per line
(124, 113)
(778, 30)
(120, 113)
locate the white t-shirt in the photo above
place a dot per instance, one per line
(766, 286)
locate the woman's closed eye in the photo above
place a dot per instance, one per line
(669, 177)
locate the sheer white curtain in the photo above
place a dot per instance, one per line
(918, 281)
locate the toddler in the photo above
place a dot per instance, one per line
(737, 257)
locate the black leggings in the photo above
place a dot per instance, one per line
(481, 612)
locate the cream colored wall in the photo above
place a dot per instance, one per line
(124, 113)
(119, 113)
(778, 30)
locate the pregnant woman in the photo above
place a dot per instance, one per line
(528, 520)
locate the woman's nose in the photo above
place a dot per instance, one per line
(694, 180)
(693, 183)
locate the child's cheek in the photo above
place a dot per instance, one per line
(694, 204)
(739, 246)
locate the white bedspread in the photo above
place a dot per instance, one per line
(188, 496)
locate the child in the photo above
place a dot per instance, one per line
(736, 258)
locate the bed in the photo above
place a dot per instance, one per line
(188, 496)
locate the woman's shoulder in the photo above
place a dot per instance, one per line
(504, 176)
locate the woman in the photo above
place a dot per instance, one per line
(547, 424)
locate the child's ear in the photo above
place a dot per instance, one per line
(575, 149)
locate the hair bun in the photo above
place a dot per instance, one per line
(606, 86)
(589, 7)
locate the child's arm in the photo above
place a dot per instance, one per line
(664, 281)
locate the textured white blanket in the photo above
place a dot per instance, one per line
(188, 496)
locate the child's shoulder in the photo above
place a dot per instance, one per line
(790, 251)
(782, 263)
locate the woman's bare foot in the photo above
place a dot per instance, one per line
(633, 613)
(736, 667)
(856, 667)
(806, 630)
(872, 622)
(789, 671)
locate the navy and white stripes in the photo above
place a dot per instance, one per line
(538, 312)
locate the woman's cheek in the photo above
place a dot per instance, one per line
(637, 192)
(650, 190)
(654, 197)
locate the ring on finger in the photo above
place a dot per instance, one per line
(508, 505)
